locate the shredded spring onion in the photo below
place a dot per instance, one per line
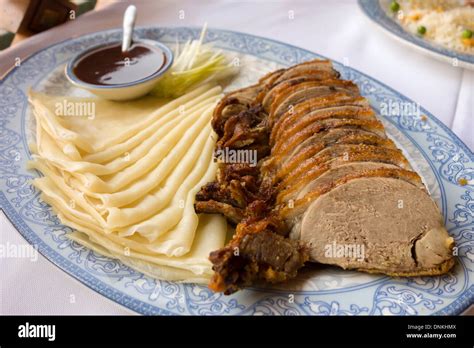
(195, 64)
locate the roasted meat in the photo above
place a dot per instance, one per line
(325, 174)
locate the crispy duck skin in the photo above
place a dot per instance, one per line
(243, 129)
(237, 171)
(230, 204)
(355, 110)
(273, 164)
(269, 95)
(284, 146)
(311, 72)
(313, 104)
(296, 93)
(305, 69)
(237, 122)
(348, 151)
(232, 213)
(314, 148)
(310, 168)
(236, 186)
(328, 136)
(232, 104)
(339, 112)
(271, 92)
(270, 78)
(217, 192)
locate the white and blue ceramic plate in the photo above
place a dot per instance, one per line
(378, 11)
(435, 152)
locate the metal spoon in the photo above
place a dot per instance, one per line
(129, 18)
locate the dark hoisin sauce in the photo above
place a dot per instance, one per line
(110, 66)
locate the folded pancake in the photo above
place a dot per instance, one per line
(112, 122)
(169, 230)
(155, 188)
(195, 264)
(126, 154)
(143, 176)
(148, 268)
(129, 193)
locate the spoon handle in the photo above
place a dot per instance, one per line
(128, 23)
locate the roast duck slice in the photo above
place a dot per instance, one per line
(326, 177)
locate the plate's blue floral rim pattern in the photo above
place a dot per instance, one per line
(448, 157)
(373, 9)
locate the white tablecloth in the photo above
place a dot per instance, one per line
(335, 29)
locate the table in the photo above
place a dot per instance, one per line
(335, 29)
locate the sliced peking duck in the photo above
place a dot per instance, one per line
(327, 175)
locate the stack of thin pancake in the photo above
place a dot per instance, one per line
(327, 176)
(124, 175)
